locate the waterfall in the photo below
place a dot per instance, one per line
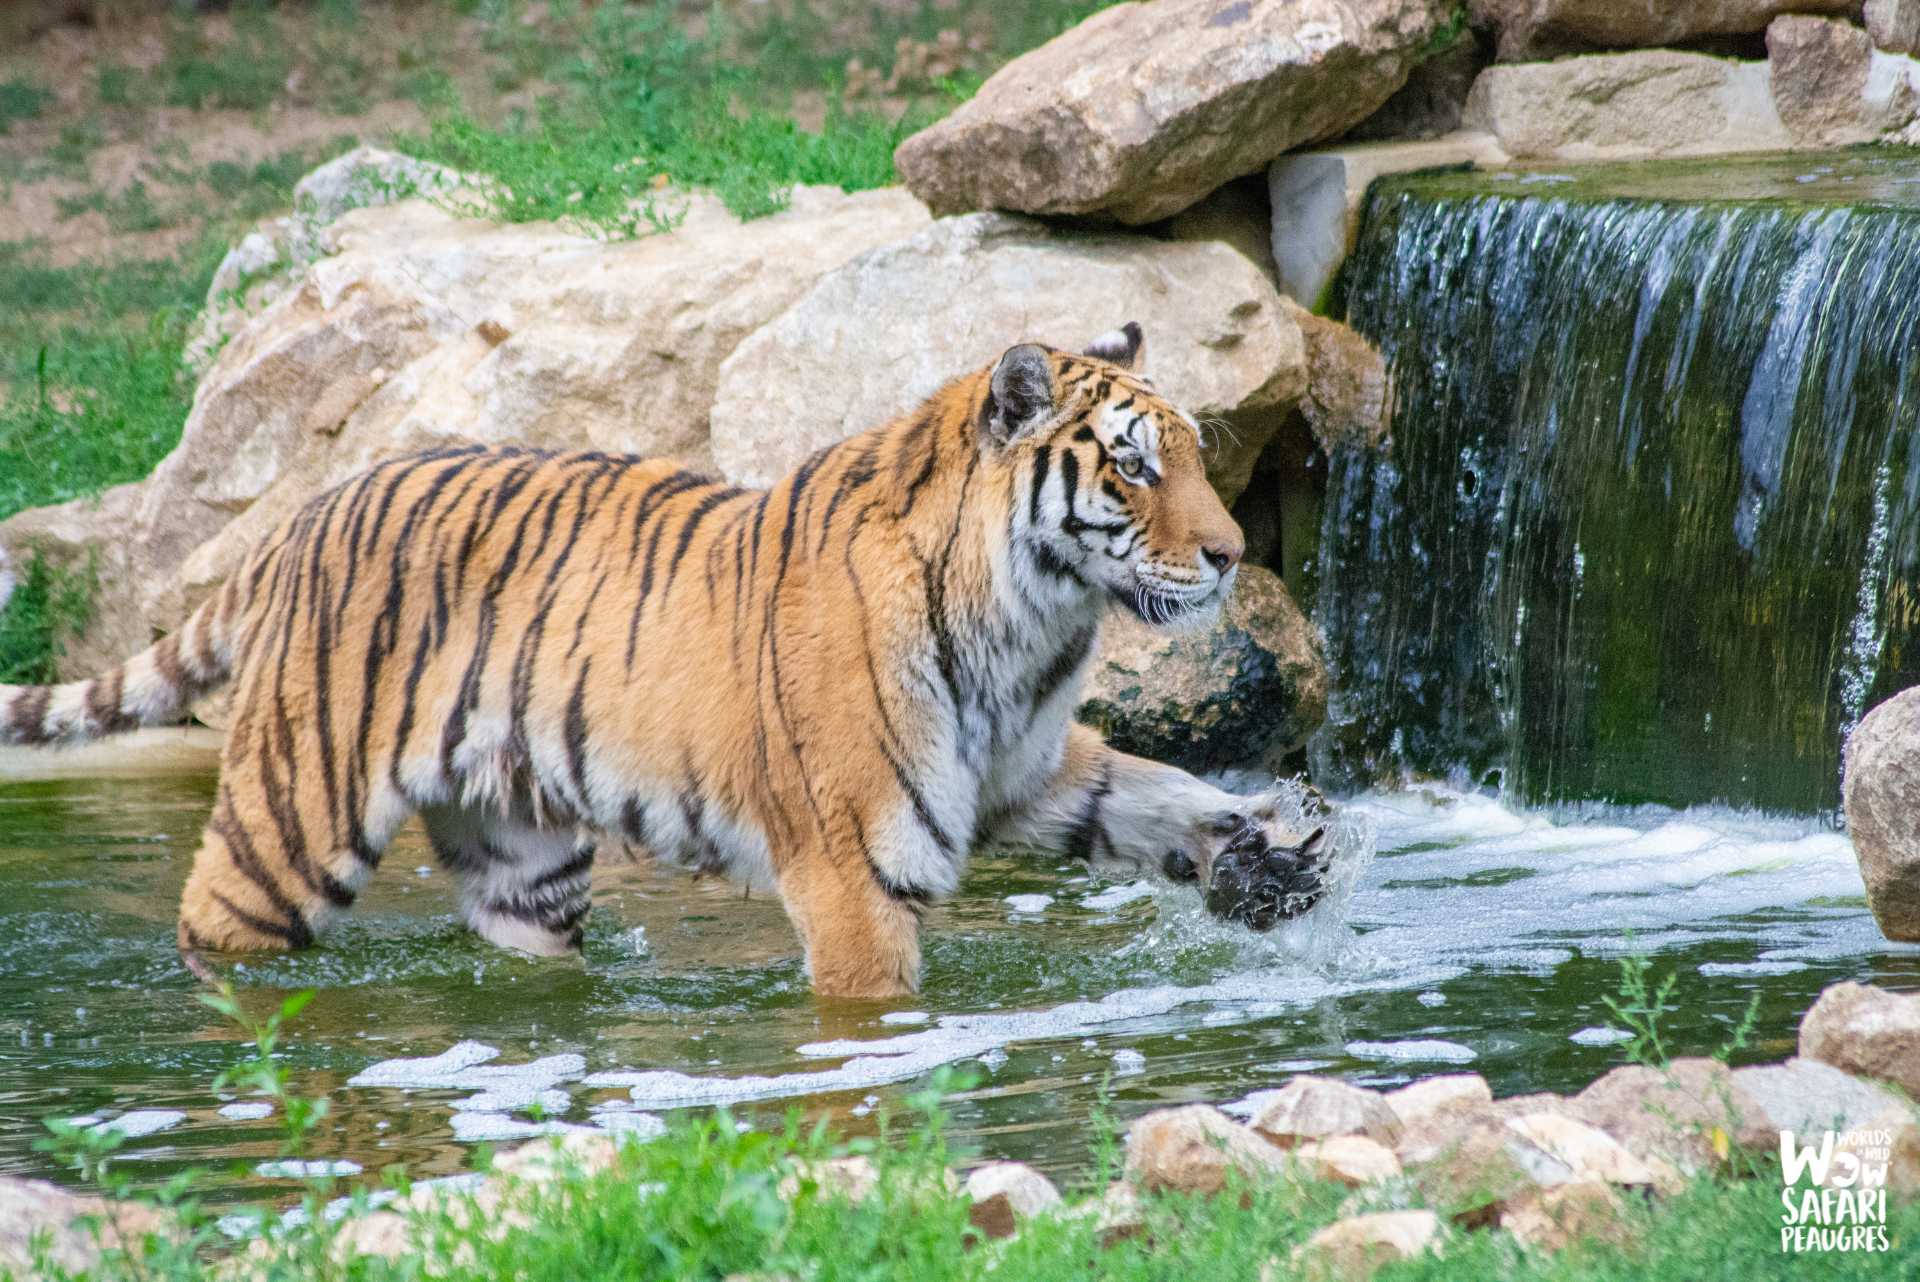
(1647, 525)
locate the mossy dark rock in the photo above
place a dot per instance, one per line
(1244, 693)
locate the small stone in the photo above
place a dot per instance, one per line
(1356, 1247)
(1586, 1209)
(1351, 1160)
(1866, 1031)
(1672, 1114)
(1484, 1168)
(1027, 1191)
(1807, 1097)
(993, 1216)
(1590, 1153)
(1431, 1111)
(1882, 786)
(1313, 1108)
(854, 1179)
(1193, 1149)
(545, 1158)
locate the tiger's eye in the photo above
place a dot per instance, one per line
(1131, 466)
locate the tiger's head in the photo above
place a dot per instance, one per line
(1115, 493)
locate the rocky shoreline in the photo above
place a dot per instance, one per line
(1421, 1164)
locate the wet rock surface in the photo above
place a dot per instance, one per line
(1832, 88)
(1881, 783)
(1244, 692)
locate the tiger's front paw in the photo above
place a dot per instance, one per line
(1262, 874)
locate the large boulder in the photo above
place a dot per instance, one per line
(1652, 102)
(1832, 88)
(1893, 25)
(1534, 29)
(1245, 692)
(880, 334)
(1143, 109)
(1881, 782)
(1866, 1031)
(416, 329)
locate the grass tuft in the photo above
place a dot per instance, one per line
(48, 606)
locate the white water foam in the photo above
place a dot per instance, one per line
(1599, 1036)
(246, 1112)
(1427, 1049)
(144, 1121)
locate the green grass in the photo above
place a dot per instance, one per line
(90, 357)
(48, 606)
(641, 98)
(706, 1202)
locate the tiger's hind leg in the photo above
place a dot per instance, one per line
(522, 885)
(268, 873)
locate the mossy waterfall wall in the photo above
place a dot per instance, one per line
(1648, 524)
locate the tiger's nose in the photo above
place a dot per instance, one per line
(1222, 556)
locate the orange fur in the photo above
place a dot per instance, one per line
(832, 688)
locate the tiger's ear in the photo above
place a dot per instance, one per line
(1022, 393)
(1119, 346)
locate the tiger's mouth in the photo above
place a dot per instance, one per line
(1160, 606)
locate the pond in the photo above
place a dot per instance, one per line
(1473, 936)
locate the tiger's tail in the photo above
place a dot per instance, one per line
(154, 687)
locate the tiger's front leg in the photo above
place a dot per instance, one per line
(1128, 815)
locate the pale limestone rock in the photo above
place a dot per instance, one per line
(103, 533)
(1882, 786)
(853, 1179)
(1317, 197)
(32, 1207)
(1585, 1209)
(1893, 25)
(1316, 1108)
(151, 750)
(1535, 29)
(1192, 1149)
(416, 330)
(1587, 1151)
(1832, 88)
(1143, 109)
(1348, 390)
(1432, 1111)
(1351, 1160)
(880, 334)
(549, 1157)
(1356, 1247)
(1485, 1166)
(1890, 1139)
(1245, 692)
(1027, 1191)
(1625, 106)
(1005, 1193)
(1237, 215)
(1808, 1097)
(1867, 1032)
(1671, 1115)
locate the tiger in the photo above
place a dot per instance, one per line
(831, 690)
